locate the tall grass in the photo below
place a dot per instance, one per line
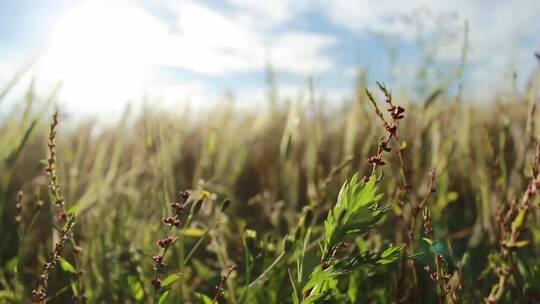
(449, 214)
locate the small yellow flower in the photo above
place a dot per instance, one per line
(205, 195)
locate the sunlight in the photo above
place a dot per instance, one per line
(95, 51)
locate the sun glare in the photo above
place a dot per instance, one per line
(96, 53)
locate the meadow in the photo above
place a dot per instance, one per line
(383, 199)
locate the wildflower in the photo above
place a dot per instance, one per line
(205, 195)
(178, 208)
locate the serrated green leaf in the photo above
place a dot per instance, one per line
(391, 254)
(354, 214)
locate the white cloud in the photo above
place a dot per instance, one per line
(268, 13)
(214, 43)
(102, 50)
(301, 53)
(497, 29)
(202, 40)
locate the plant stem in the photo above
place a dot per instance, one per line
(263, 275)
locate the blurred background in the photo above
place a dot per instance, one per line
(264, 103)
(105, 54)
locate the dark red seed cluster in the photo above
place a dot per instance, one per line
(157, 283)
(158, 259)
(396, 112)
(391, 126)
(169, 220)
(166, 242)
(178, 208)
(441, 279)
(376, 160)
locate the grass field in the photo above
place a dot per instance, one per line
(434, 200)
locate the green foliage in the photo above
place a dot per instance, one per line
(356, 212)
(283, 170)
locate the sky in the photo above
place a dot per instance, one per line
(108, 53)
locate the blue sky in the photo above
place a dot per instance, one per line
(109, 52)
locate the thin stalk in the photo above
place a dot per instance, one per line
(199, 241)
(265, 273)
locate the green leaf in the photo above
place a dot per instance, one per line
(356, 211)
(170, 279)
(163, 297)
(428, 240)
(74, 287)
(354, 214)
(520, 244)
(11, 265)
(66, 266)
(75, 208)
(193, 232)
(391, 254)
(519, 220)
(203, 298)
(136, 289)
(294, 284)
